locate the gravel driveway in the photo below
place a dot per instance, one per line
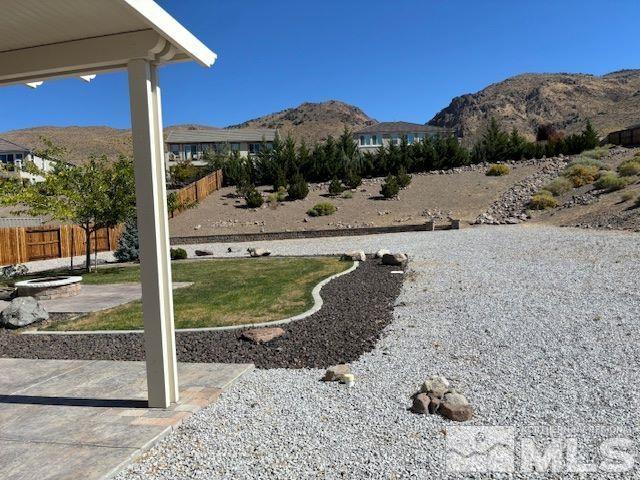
(538, 326)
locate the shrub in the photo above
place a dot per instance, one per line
(253, 197)
(588, 161)
(347, 194)
(597, 153)
(625, 197)
(322, 209)
(178, 253)
(403, 178)
(543, 200)
(611, 182)
(352, 179)
(128, 244)
(335, 187)
(559, 186)
(498, 170)
(298, 188)
(281, 194)
(629, 168)
(390, 187)
(580, 174)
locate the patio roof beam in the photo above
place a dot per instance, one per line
(85, 57)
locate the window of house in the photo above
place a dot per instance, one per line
(420, 137)
(235, 147)
(254, 148)
(3, 158)
(370, 140)
(395, 140)
(175, 150)
(410, 138)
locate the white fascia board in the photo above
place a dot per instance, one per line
(172, 30)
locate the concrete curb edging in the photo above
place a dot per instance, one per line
(317, 305)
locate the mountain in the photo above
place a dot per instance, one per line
(611, 102)
(313, 122)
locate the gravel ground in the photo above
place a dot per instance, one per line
(538, 326)
(346, 326)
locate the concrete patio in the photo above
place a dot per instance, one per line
(72, 419)
(94, 298)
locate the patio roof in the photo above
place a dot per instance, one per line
(44, 39)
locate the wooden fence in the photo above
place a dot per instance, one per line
(627, 138)
(198, 191)
(25, 244)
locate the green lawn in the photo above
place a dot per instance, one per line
(225, 292)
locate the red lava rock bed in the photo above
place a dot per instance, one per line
(357, 307)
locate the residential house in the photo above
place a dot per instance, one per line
(190, 145)
(15, 160)
(370, 138)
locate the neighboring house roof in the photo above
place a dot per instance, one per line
(222, 135)
(401, 127)
(8, 146)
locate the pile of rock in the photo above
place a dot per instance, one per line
(353, 256)
(21, 312)
(512, 206)
(437, 396)
(339, 373)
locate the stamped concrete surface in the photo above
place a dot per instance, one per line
(77, 419)
(94, 298)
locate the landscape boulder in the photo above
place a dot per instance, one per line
(421, 403)
(355, 256)
(203, 253)
(336, 373)
(22, 311)
(7, 293)
(382, 252)
(262, 335)
(436, 386)
(395, 259)
(258, 252)
(455, 406)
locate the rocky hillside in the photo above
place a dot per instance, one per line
(313, 122)
(565, 100)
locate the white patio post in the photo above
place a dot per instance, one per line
(157, 295)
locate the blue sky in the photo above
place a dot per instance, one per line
(397, 60)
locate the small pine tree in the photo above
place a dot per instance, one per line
(128, 244)
(352, 179)
(390, 188)
(335, 187)
(298, 188)
(590, 136)
(253, 197)
(403, 178)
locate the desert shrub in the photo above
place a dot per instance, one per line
(281, 194)
(626, 196)
(580, 174)
(543, 200)
(403, 179)
(587, 161)
(298, 188)
(253, 197)
(178, 253)
(498, 170)
(347, 194)
(596, 153)
(559, 186)
(390, 187)
(128, 244)
(610, 182)
(335, 187)
(322, 209)
(629, 168)
(352, 179)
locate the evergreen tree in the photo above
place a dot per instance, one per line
(128, 244)
(590, 137)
